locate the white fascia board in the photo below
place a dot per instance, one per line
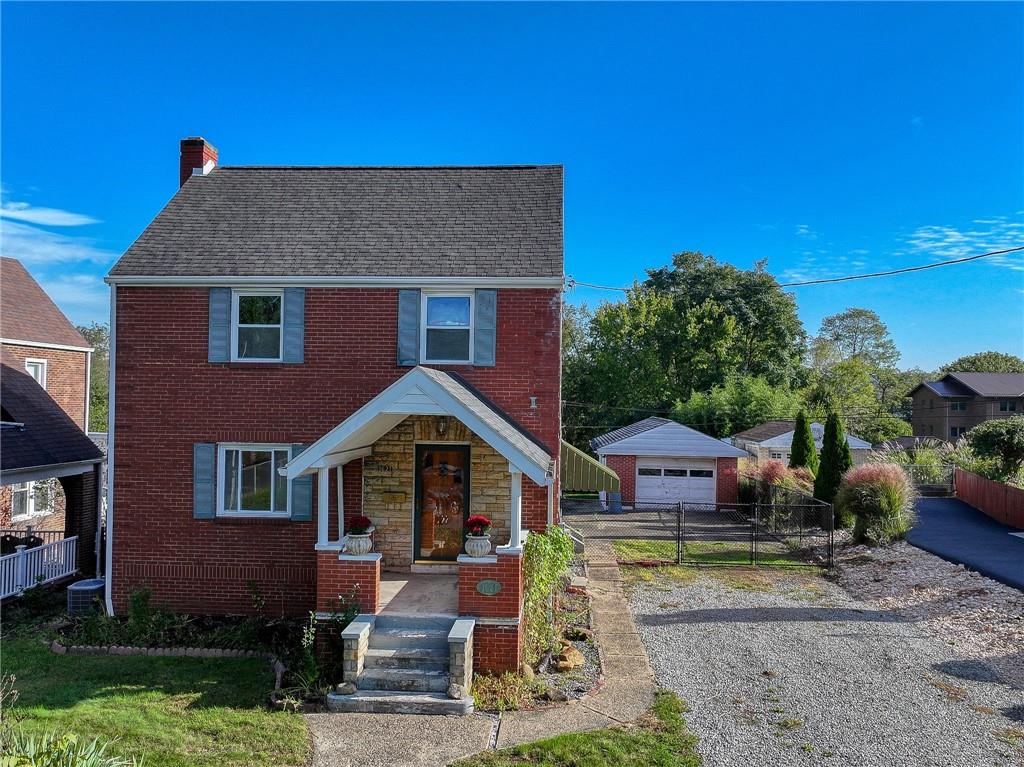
(375, 418)
(42, 345)
(241, 281)
(32, 473)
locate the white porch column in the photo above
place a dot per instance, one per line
(517, 508)
(323, 500)
(341, 502)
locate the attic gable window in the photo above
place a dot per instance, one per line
(447, 328)
(256, 328)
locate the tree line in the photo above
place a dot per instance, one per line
(722, 349)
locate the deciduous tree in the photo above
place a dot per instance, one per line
(985, 362)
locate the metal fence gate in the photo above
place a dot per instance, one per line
(777, 534)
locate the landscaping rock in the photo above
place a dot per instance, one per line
(555, 695)
(579, 634)
(526, 671)
(569, 659)
(345, 688)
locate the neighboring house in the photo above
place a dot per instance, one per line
(773, 440)
(38, 339)
(294, 346)
(41, 444)
(661, 461)
(951, 406)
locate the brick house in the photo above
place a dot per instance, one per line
(36, 338)
(292, 347)
(660, 461)
(951, 406)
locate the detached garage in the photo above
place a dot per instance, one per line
(661, 461)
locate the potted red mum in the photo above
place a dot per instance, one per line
(358, 539)
(478, 536)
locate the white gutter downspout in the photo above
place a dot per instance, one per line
(88, 385)
(111, 355)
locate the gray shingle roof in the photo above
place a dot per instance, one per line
(980, 384)
(47, 436)
(766, 430)
(502, 221)
(625, 432)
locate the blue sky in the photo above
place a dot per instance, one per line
(827, 138)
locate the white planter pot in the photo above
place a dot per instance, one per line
(358, 544)
(478, 545)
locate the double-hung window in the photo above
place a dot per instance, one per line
(256, 327)
(958, 407)
(1007, 406)
(22, 501)
(37, 369)
(250, 484)
(447, 328)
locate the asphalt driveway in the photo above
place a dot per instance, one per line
(951, 529)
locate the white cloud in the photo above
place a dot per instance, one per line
(32, 245)
(805, 232)
(22, 211)
(942, 243)
(83, 297)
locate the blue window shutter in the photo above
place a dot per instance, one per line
(220, 325)
(294, 316)
(302, 493)
(408, 327)
(204, 460)
(485, 326)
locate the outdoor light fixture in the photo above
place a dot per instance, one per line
(442, 424)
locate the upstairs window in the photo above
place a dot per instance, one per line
(1007, 406)
(37, 369)
(958, 407)
(249, 480)
(447, 332)
(256, 334)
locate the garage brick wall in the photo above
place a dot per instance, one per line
(625, 467)
(727, 480)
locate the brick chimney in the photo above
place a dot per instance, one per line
(198, 157)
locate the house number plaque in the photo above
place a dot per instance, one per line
(488, 587)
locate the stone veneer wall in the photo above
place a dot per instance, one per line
(389, 487)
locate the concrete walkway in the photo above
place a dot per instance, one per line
(369, 740)
(960, 533)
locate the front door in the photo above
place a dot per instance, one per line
(442, 501)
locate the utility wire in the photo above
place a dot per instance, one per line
(571, 282)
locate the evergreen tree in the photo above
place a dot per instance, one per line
(835, 459)
(803, 452)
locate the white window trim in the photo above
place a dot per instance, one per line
(235, 295)
(223, 448)
(30, 505)
(426, 294)
(43, 363)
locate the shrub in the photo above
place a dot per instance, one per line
(1002, 442)
(878, 499)
(546, 558)
(835, 460)
(803, 453)
(52, 750)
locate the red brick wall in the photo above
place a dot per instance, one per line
(52, 521)
(497, 649)
(65, 376)
(345, 577)
(727, 481)
(506, 603)
(625, 467)
(168, 397)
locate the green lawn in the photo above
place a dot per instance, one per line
(711, 552)
(177, 712)
(659, 739)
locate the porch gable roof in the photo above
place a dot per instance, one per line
(422, 391)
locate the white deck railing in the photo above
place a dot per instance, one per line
(27, 567)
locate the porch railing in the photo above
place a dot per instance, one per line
(40, 565)
(26, 535)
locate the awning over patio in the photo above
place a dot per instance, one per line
(582, 474)
(424, 391)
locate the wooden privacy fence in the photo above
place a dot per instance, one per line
(42, 564)
(1001, 502)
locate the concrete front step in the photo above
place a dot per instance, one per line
(423, 659)
(403, 679)
(408, 639)
(391, 702)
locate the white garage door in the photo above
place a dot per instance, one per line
(670, 480)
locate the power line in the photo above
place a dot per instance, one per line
(571, 282)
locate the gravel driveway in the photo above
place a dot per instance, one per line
(788, 669)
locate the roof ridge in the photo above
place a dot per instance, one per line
(515, 166)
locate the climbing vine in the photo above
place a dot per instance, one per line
(546, 558)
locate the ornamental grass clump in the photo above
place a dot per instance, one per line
(878, 499)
